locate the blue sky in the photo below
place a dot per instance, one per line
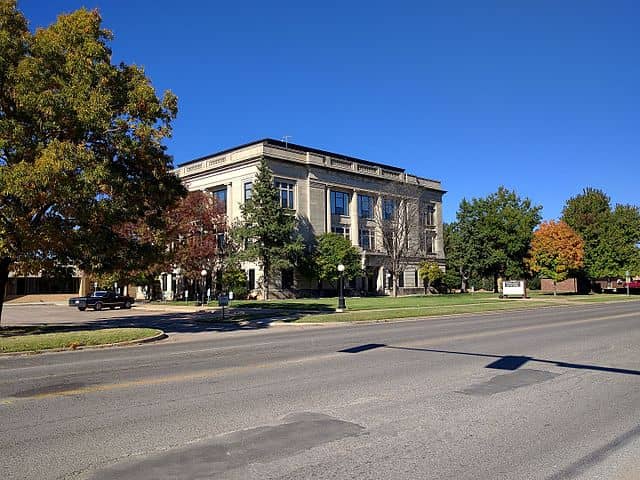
(540, 96)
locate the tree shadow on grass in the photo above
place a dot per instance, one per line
(287, 306)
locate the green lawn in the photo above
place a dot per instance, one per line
(23, 339)
(367, 303)
(427, 311)
(590, 298)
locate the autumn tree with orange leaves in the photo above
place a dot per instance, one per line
(556, 251)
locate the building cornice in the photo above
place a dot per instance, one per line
(277, 150)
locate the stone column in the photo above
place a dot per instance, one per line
(355, 223)
(377, 214)
(328, 209)
(380, 279)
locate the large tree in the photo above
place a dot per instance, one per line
(197, 228)
(332, 250)
(81, 145)
(267, 231)
(611, 236)
(556, 251)
(495, 233)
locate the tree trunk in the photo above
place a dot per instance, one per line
(395, 286)
(265, 286)
(4, 276)
(555, 289)
(429, 287)
(265, 280)
(463, 282)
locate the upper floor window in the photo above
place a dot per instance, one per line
(248, 190)
(430, 215)
(339, 203)
(430, 242)
(388, 208)
(365, 206)
(366, 239)
(285, 191)
(220, 196)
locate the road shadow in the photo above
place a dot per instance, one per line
(169, 322)
(503, 362)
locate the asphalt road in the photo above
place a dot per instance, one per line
(547, 394)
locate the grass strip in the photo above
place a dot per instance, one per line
(389, 314)
(367, 303)
(14, 340)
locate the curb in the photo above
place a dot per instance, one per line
(153, 338)
(33, 304)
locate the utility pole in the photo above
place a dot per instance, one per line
(285, 139)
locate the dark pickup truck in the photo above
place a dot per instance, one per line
(101, 299)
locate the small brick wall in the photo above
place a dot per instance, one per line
(570, 285)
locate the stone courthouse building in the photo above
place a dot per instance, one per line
(329, 192)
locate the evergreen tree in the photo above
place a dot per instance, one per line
(267, 230)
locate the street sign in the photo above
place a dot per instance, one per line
(517, 288)
(223, 300)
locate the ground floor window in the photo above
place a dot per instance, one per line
(341, 230)
(251, 279)
(287, 278)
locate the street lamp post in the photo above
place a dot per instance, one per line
(628, 280)
(341, 305)
(204, 277)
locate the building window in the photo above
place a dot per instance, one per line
(248, 190)
(339, 203)
(285, 191)
(366, 239)
(415, 279)
(365, 206)
(251, 279)
(220, 196)
(341, 230)
(220, 240)
(401, 279)
(429, 243)
(388, 208)
(287, 278)
(429, 215)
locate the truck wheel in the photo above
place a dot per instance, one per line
(82, 309)
(127, 304)
(98, 307)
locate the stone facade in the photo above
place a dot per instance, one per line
(329, 192)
